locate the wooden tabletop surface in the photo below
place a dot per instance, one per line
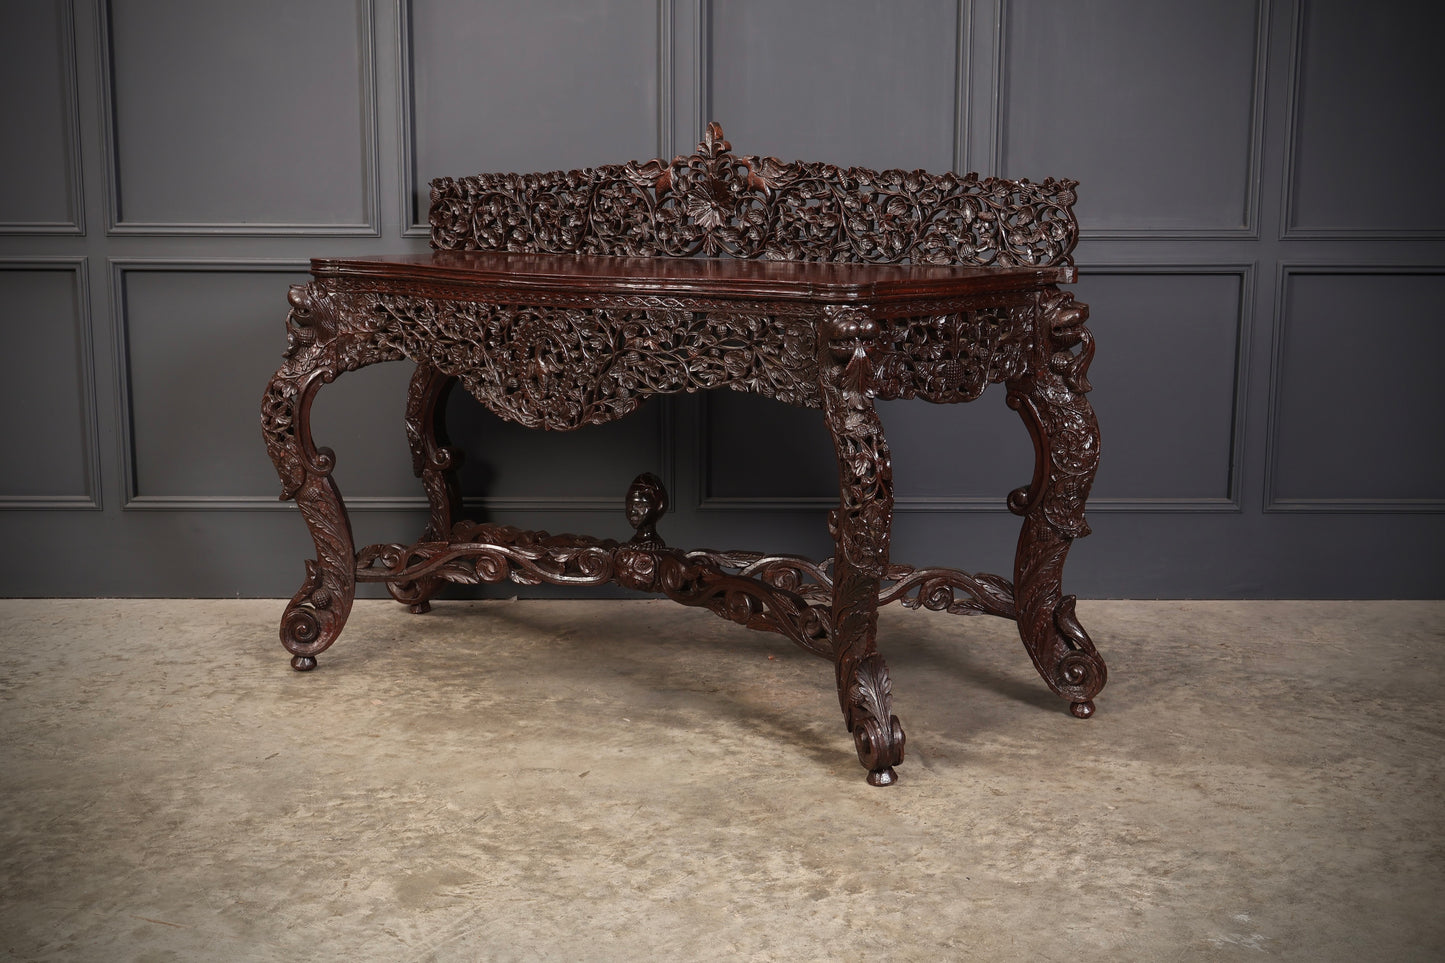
(706, 277)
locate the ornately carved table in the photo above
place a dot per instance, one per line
(569, 298)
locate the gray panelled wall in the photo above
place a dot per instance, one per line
(1264, 254)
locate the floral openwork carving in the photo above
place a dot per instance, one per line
(562, 366)
(718, 204)
(563, 299)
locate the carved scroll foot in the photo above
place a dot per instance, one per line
(1065, 432)
(435, 462)
(868, 708)
(318, 611)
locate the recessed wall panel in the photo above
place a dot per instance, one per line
(1165, 377)
(1359, 393)
(1150, 108)
(760, 448)
(850, 82)
(45, 433)
(244, 117)
(361, 416)
(37, 110)
(592, 466)
(973, 453)
(1363, 150)
(200, 344)
(545, 85)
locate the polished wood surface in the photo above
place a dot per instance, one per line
(820, 282)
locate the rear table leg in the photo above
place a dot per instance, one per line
(435, 462)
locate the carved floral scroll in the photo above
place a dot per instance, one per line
(719, 204)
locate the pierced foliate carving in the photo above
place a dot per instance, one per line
(555, 366)
(719, 204)
(948, 358)
(862, 526)
(320, 347)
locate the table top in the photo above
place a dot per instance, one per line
(828, 283)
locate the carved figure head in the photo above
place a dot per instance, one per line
(646, 503)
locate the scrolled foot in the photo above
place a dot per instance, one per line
(420, 608)
(1082, 710)
(878, 751)
(315, 617)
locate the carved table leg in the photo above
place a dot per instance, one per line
(1061, 421)
(861, 530)
(317, 353)
(436, 464)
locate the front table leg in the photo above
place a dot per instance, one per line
(1061, 421)
(320, 348)
(861, 527)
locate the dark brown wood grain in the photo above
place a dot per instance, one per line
(569, 298)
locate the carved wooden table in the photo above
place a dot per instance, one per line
(569, 298)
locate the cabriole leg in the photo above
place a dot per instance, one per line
(318, 611)
(435, 463)
(318, 351)
(861, 530)
(1065, 432)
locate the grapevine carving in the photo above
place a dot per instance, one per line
(558, 356)
(947, 358)
(719, 204)
(559, 367)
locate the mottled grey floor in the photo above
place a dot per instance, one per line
(638, 781)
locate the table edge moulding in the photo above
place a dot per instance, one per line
(569, 298)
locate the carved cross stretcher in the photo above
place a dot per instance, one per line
(569, 298)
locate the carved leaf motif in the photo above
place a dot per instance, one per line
(561, 367)
(716, 203)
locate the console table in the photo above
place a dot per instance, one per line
(569, 298)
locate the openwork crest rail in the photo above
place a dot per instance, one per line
(719, 204)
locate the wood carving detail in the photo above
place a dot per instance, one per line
(560, 367)
(862, 526)
(320, 348)
(545, 349)
(1052, 402)
(948, 358)
(478, 552)
(715, 203)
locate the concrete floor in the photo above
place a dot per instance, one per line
(638, 781)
